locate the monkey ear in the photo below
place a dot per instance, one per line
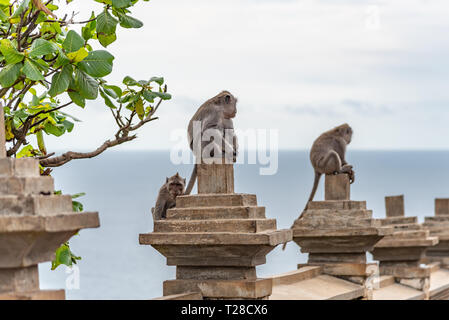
(184, 181)
(177, 174)
(227, 98)
(166, 181)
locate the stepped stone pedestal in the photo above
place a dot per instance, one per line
(216, 239)
(33, 224)
(439, 226)
(400, 253)
(338, 232)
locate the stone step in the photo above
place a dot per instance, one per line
(337, 204)
(23, 167)
(406, 226)
(335, 222)
(399, 220)
(295, 276)
(216, 200)
(437, 219)
(30, 185)
(436, 224)
(35, 205)
(332, 213)
(228, 225)
(409, 234)
(214, 213)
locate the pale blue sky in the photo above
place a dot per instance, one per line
(298, 66)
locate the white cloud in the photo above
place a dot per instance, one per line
(299, 66)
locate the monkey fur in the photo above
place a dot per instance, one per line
(166, 199)
(215, 113)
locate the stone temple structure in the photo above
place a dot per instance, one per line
(216, 239)
(337, 233)
(438, 225)
(34, 222)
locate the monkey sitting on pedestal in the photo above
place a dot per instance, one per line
(216, 113)
(328, 157)
(173, 187)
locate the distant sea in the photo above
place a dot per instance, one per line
(122, 187)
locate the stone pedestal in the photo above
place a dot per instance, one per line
(216, 239)
(400, 253)
(337, 234)
(33, 224)
(439, 226)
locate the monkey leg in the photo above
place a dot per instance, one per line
(331, 163)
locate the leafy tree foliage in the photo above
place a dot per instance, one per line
(46, 66)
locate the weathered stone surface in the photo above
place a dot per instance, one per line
(216, 200)
(2, 133)
(215, 273)
(359, 257)
(295, 276)
(337, 187)
(337, 205)
(183, 296)
(33, 185)
(404, 272)
(394, 206)
(19, 279)
(399, 220)
(223, 182)
(344, 269)
(34, 295)
(441, 207)
(398, 292)
(23, 167)
(221, 289)
(212, 213)
(225, 225)
(407, 253)
(35, 205)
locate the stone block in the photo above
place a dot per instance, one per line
(183, 296)
(224, 225)
(292, 277)
(441, 207)
(215, 273)
(26, 167)
(344, 268)
(394, 206)
(19, 279)
(52, 205)
(24, 186)
(221, 289)
(215, 178)
(34, 295)
(337, 187)
(216, 200)
(407, 253)
(337, 205)
(212, 213)
(399, 220)
(2, 133)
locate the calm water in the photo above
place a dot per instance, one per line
(123, 186)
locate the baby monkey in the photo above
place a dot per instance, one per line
(328, 155)
(173, 187)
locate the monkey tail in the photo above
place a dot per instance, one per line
(191, 181)
(315, 187)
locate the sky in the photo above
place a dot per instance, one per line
(297, 66)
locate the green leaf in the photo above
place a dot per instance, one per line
(158, 80)
(64, 256)
(10, 53)
(97, 64)
(121, 3)
(20, 9)
(41, 47)
(77, 99)
(128, 21)
(9, 74)
(129, 81)
(32, 70)
(73, 42)
(139, 109)
(107, 101)
(60, 81)
(87, 85)
(106, 39)
(106, 23)
(112, 91)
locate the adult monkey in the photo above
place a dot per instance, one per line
(217, 114)
(328, 157)
(40, 6)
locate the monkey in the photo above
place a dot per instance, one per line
(40, 6)
(216, 113)
(166, 199)
(328, 157)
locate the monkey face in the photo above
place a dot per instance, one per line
(229, 103)
(176, 189)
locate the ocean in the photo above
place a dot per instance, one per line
(123, 186)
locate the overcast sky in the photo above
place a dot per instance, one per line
(301, 67)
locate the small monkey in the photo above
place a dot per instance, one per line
(216, 113)
(166, 199)
(328, 157)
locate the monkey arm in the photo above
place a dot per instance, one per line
(159, 209)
